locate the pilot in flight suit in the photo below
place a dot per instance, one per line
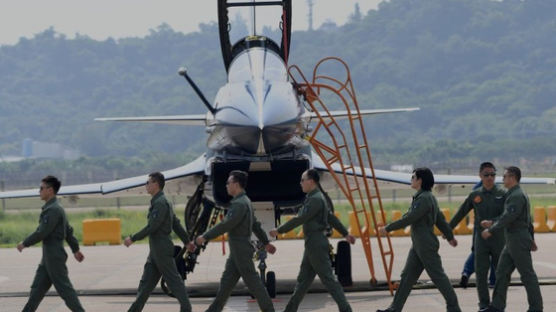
(239, 223)
(315, 216)
(160, 261)
(52, 231)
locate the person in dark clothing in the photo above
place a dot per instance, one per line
(423, 215)
(53, 229)
(516, 224)
(487, 201)
(160, 262)
(240, 222)
(315, 216)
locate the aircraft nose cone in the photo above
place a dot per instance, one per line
(261, 116)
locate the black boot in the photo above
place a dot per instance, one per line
(464, 281)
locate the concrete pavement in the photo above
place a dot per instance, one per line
(109, 276)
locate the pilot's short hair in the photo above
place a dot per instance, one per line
(53, 182)
(239, 177)
(486, 164)
(513, 170)
(158, 178)
(313, 174)
(426, 176)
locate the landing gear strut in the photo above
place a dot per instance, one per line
(197, 218)
(268, 278)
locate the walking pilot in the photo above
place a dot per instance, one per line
(240, 222)
(423, 215)
(53, 229)
(488, 203)
(160, 261)
(515, 221)
(315, 216)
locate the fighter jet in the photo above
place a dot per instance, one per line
(257, 123)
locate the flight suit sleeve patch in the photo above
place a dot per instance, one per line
(477, 199)
(511, 208)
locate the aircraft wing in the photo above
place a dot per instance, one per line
(344, 114)
(195, 167)
(405, 178)
(182, 120)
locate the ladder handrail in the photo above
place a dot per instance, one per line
(312, 96)
(351, 91)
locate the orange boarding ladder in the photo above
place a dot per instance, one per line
(337, 156)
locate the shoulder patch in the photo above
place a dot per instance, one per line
(477, 199)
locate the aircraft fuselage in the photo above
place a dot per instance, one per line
(258, 126)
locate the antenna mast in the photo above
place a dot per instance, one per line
(254, 19)
(310, 3)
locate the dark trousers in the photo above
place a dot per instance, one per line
(53, 271)
(154, 268)
(316, 261)
(416, 262)
(517, 254)
(469, 268)
(240, 264)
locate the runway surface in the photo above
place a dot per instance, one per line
(108, 278)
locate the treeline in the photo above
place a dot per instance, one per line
(481, 71)
(29, 172)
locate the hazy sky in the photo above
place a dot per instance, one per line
(100, 19)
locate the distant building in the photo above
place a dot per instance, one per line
(10, 158)
(36, 149)
(402, 168)
(328, 25)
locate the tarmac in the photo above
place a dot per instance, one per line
(108, 277)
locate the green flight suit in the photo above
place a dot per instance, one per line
(517, 252)
(160, 262)
(240, 222)
(53, 229)
(422, 215)
(488, 205)
(315, 215)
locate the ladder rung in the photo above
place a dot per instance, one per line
(332, 159)
(348, 167)
(363, 146)
(353, 190)
(328, 124)
(341, 146)
(355, 117)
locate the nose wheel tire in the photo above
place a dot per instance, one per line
(343, 263)
(271, 284)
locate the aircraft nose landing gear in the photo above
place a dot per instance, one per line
(197, 221)
(269, 279)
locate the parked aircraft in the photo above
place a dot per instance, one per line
(257, 123)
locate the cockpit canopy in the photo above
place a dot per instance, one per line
(257, 62)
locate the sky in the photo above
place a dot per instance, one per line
(100, 19)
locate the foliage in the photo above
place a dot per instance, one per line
(29, 172)
(480, 70)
